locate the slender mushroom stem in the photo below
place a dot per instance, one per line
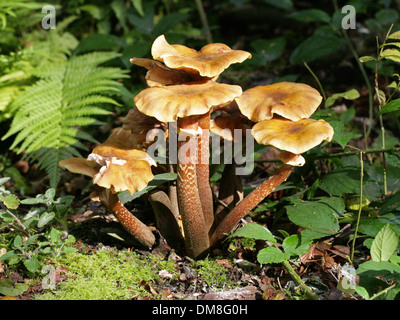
(250, 201)
(194, 226)
(203, 171)
(133, 225)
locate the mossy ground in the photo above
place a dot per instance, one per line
(111, 274)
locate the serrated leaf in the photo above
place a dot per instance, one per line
(294, 246)
(340, 181)
(384, 244)
(254, 231)
(384, 269)
(271, 255)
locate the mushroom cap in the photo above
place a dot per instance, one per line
(225, 126)
(178, 101)
(159, 74)
(293, 136)
(121, 168)
(78, 165)
(210, 61)
(295, 160)
(290, 100)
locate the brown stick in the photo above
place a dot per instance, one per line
(249, 202)
(133, 225)
(196, 235)
(203, 171)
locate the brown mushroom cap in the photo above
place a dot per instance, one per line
(121, 168)
(225, 126)
(210, 61)
(293, 136)
(159, 74)
(178, 101)
(78, 165)
(292, 101)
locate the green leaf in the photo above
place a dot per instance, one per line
(254, 231)
(349, 95)
(11, 201)
(8, 255)
(32, 264)
(45, 218)
(158, 180)
(268, 49)
(317, 217)
(340, 181)
(341, 135)
(137, 4)
(311, 15)
(387, 16)
(367, 58)
(55, 236)
(395, 35)
(282, 4)
(294, 246)
(168, 22)
(271, 255)
(362, 292)
(384, 244)
(391, 54)
(391, 106)
(8, 288)
(384, 269)
(316, 47)
(4, 180)
(17, 243)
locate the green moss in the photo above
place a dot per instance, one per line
(215, 275)
(106, 274)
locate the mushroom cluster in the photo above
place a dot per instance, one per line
(183, 88)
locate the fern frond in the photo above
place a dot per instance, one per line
(49, 113)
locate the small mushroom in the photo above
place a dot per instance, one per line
(293, 136)
(120, 167)
(209, 62)
(292, 101)
(179, 101)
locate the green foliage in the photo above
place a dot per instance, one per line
(68, 95)
(36, 238)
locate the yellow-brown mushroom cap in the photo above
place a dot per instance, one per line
(290, 100)
(210, 61)
(121, 168)
(293, 136)
(179, 101)
(78, 165)
(159, 74)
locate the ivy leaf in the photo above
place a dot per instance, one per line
(384, 244)
(255, 231)
(272, 255)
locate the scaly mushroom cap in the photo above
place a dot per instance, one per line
(159, 74)
(292, 101)
(210, 61)
(293, 136)
(178, 101)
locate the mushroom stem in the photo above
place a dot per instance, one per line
(133, 225)
(249, 202)
(203, 171)
(194, 226)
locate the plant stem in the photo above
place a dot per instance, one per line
(376, 295)
(311, 294)
(194, 226)
(204, 21)
(249, 202)
(360, 208)
(203, 171)
(133, 225)
(316, 79)
(24, 229)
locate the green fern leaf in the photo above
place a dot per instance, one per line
(50, 113)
